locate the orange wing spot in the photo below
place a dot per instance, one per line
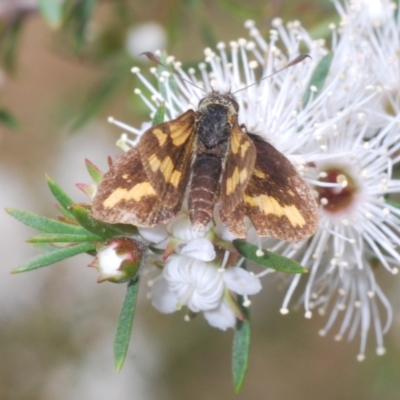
(154, 162)
(232, 182)
(269, 205)
(136, 193)
(175, 178)
(243, 175)
(179, 133)
(160, 135)
(166, 168)
(259, 174)
(235, 143)
(244, 147)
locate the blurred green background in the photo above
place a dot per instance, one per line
(58, 84)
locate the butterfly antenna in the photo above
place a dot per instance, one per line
(152, 57)
(295, 61)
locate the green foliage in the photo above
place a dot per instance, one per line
(52, 257)
(269, 259)
(241, 347)
(94, 172)
(159, 115)
(124, 327)
(80, 235)
(70, 238)
(318, 77)
(45, 224)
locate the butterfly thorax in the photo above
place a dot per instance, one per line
(216, 115)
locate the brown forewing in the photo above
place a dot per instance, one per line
(125, 195)
(166, 151)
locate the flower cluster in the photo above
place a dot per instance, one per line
(342, 135)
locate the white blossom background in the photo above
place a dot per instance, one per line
(57, 324)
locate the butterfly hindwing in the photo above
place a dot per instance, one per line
(238, 170)
(126, 196)
(277, 200)
(166, 152)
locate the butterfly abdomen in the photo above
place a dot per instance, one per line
(204, 188)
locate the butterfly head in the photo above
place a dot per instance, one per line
(227, 100)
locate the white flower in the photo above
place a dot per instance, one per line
(119, 259)
(202, 287)
(355, 148)
(200, 249)
(342, 140)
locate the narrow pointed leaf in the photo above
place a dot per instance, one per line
(124, 327)
(159, 115)
(52, 257)
(63, 238)
(241, 347)
(269, 259)
(102, 229)
(318, 77)
(44, 224)
(94, 172)
(60, 195)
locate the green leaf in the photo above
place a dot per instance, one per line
(241, 347)
(269, 259)
(52, 257)
(8, 119)
(102, 229)
(51, 11)
(63, 238)
(94, 172)
(65, 201)
(159, 115)
(318, 77)
(124, 327)
(44, 224)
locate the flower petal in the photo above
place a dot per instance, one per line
(240, 281)
(221, 317)
(197, 284)
(200, 249)
(162, 297)
(154, 235)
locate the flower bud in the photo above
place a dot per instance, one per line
(119, 260)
